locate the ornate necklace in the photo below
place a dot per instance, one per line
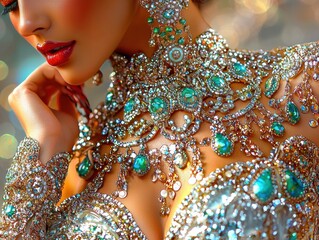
(195, 78)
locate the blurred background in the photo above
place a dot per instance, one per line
(250, 24)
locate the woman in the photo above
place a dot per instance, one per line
(183, 109)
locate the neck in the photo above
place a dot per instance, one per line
(138, 34)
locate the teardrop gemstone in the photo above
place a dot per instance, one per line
(292, 113)
(263, 186)
(294, 186)
(85, 168)
(222, 145)
(141, 164)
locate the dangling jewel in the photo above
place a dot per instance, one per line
(85, 168)
(222, 145)
(293, 113)
(141, 164)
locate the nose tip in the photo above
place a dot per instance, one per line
(32, 20)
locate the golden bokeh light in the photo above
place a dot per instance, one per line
(4, 70)
(258, 6)
(4, 96)
(8, 146)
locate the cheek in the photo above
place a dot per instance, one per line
(77, 12)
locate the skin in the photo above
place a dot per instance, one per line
(100, 28)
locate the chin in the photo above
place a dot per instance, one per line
(74, 76)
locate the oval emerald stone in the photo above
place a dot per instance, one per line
(129, 106)
(240, 69)
(84, 168)
(141, 164)
(10, 210)
(277, 128)
(216, 83)
(263, 187)
(188, 97)
(222, 145)
(293, 113)
(295, 187)
(158, 106)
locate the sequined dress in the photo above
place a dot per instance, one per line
(274, 196)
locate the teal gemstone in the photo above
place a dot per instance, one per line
(263, 187)
(277, 128)
(222, 145)
(293, 113)
(181, 41)
(141, 164)
(188, 97)
(295, 187)
(109, 98)
(216, 84)
(271, 86)
(158, 106)
(10, 210)
(293, 236)
(168, 14)
(240, 69)
(129, 106)
(182, 21)
(84, 169)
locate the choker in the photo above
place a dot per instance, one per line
(196, 78)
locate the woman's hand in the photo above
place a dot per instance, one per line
(45, 112)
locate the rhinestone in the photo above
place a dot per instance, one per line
(263, 187)
(141, 164)
(295, 186)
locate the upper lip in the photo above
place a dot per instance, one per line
(48, 46)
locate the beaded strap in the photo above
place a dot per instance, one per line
(31, 192)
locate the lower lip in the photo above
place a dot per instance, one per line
(60, 57)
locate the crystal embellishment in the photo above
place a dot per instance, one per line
(222, 145)
(141, 165)
(278, 129)
(84, 169)
(292, 113)
(294, 186)
(263, 186)
(271, 86)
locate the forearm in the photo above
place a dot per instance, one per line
(31, 192)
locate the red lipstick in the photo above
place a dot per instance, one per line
(56, 53)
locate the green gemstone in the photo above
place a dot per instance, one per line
(179, 31)
(84, 168)
(163, 34)
(295, 186)
(293, 236)
(189, 97)
(172, 37)
(277, 128)
(109, 98)
(141, 164)
(182, 21)
(158, 106)
(263, 187)
(240, 69)
(156, 30)
(10, 210)
(181, 41)
(216, 83)
(222, 145)
(271, 86)
(129, 106)
(169, 29)
(293, 113)
(150, 20)
(168, 14)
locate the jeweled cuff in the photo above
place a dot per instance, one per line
(31, 192)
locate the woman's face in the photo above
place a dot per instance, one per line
(76, 36)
